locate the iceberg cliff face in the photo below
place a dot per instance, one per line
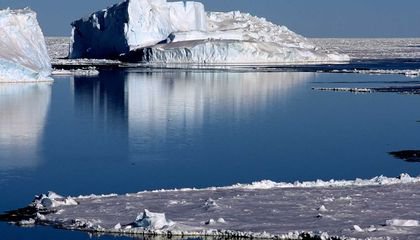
(133, 24)
(156, 31)
(23, 52)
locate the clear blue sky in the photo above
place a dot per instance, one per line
(311, 18)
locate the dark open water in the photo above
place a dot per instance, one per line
(127, 131)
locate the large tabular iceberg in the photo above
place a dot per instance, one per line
(23, 53)
(157, 31)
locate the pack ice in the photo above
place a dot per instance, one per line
(377, 208)
(157, 31)
(23, 52)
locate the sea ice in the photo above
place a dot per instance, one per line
(248, 210)
(157, 31)
(402, 223)
(23, 52)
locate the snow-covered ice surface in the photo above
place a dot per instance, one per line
(23, 52)
(239, 38)
(373, 48)
(157, 31)
(379, 208)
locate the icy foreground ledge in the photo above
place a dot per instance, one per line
(23, 52)
(157, 31)
(378, 208)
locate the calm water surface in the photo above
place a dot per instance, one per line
(127, 131)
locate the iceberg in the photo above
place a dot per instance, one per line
(157, 31)
(23, 52)
(133, 24)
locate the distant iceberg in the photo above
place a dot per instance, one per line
(23, 52)
(157, 31)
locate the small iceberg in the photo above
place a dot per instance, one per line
(153, 221)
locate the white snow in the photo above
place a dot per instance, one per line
(23, 52)
(361, 209)
(178, 32)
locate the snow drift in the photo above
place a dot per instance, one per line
(156, 31)
(23, 52)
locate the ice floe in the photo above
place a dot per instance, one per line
(407, 72)
(89, 71)
(379, 208)
(415, 89)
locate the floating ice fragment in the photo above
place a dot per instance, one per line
(357, 228)
(152, 221)
(372, 229)
(40, 217)
(30, 221)
(117, 226)
(210, 222)
(53, 200)
(322, 209)
(210, 204)
(402, 223)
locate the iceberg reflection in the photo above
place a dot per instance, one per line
(170, 107)
(23, 110)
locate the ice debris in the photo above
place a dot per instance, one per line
(152, 221)
(210, 204)
(79, 72)
(23, 52)
(322, 208)
(402, 223)
(52, 200)
(357, 228)
(407, 72)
